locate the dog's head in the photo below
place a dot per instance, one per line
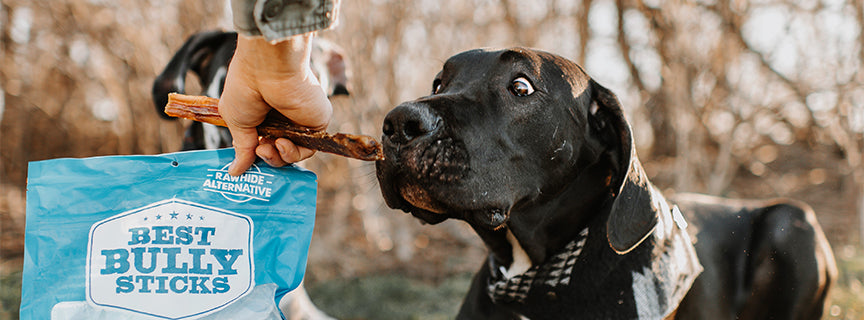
(207, 54)
(515, 135)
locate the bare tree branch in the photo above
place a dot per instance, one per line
(624, 45)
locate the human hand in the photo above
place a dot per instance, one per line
(264, 76)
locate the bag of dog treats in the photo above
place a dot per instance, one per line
(170, 236)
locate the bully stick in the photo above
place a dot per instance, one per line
(275, 125)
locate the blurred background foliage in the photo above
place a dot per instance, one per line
(758, 98)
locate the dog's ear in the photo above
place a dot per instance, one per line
(192, 56)
(331, 67)
(633, 215)
(338, 69)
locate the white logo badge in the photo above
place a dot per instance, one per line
(172, 259)
(252, 184)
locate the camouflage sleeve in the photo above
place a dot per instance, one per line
(280, 19)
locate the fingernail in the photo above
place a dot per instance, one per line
(280, 148)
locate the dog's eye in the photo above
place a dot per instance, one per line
(436, 86)
(521, 87)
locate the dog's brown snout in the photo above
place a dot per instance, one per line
(410, 121)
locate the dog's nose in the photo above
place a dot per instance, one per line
(409, 121)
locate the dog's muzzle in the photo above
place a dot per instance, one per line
(421, 159)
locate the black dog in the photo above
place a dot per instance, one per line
(208, 54)
(539, 160)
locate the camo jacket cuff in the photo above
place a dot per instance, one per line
(279, 19)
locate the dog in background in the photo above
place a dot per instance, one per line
(539, 159)
(207, 55)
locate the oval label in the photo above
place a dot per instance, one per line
(172, 259)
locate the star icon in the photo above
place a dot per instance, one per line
(188, 216)
(200, 217)
(174, 215)
(158, 217)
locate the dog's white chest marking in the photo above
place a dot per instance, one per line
(521, 261)
(212, 136)
(214, 88)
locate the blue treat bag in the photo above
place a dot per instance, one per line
(169, 236)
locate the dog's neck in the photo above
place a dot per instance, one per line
(663, 288)
(507, 285)
(540, 229)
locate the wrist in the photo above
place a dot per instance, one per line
(290, 55)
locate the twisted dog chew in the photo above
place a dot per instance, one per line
(276, 125)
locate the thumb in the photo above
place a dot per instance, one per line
(245, 142)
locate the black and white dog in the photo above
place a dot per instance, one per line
(539, 159)
(208, 54)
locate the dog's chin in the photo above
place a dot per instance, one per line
(424, 206)
(432, 180)
(426, 216)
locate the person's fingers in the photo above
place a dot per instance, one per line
(242, 111)
(262, 77)
(290, 152)
(269, 154)
(245, 143)
(241, 105)
(245, 138)
(308, 107)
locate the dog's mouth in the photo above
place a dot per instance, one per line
(423, 204)
(432, 179)
(416, 173)
(438, 161)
